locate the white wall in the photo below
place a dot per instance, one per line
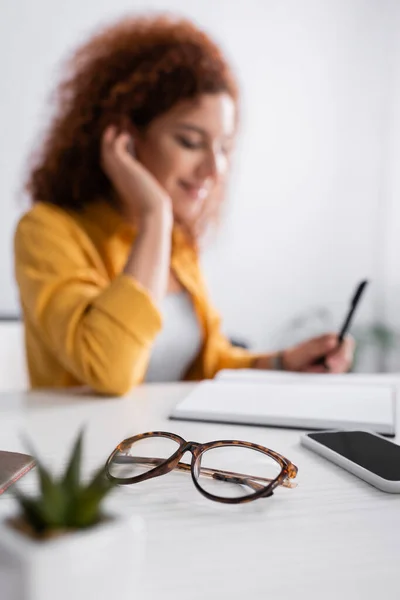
(389, 251)
(391, 247)
(304, 221)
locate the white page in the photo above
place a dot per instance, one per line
(261, 376)
(302, 405)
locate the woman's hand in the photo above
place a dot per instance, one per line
(140, 193)
(302, 358)
(140, 197)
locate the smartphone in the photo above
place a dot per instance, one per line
(367, 455)
(13, 465)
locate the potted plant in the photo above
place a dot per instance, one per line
(62, 546)
(377, 348)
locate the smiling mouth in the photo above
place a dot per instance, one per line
(196, 192)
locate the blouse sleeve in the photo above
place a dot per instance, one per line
(99, 330)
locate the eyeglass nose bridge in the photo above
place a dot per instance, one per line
(193, 447)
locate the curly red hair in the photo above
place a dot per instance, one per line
(135, 70)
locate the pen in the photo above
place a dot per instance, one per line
(349, 317)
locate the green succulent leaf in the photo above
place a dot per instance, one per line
(52, 498)
(65, 502)
(100, 482)
(88, 503)
(32, 511)
(72, 475)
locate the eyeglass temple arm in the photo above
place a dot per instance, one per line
(229, 476)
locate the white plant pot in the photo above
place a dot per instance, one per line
(103, 563)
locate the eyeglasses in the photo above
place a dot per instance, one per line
(228, 471)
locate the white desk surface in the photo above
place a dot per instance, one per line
(333, 536)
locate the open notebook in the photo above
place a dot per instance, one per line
(290, 400)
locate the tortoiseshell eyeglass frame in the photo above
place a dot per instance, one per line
(263, 487)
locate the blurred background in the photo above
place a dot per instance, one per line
(314, 196)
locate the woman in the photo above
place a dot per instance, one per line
(129, 176)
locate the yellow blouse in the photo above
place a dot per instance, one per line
(86, 322)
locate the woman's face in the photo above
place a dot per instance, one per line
(188, 150)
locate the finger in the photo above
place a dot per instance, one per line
(345, 349)
(123, 143)
(340, 360)
(109, 135)
(107, 144)
(338, 366)
(315, 369)
(350, 344)
(318, 347)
